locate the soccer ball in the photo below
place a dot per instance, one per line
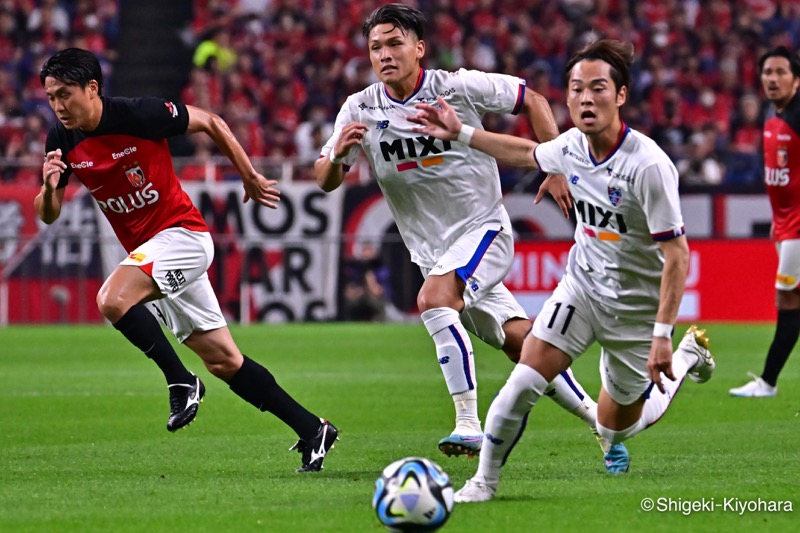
(413, 494)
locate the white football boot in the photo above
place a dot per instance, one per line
(475, 492)
(758, 388)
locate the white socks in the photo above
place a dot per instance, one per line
(568, 393)
(457, 360)
(504, 420)
(656, 405)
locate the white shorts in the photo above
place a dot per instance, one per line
(177, 259)
(788, 275)
(482, 258)
(571, 321)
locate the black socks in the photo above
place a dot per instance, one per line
(787, 331)
(141, 328)
(256, 385)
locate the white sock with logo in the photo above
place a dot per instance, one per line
(504, 420)
(457, 361)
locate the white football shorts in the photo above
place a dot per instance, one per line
(788, 275)
(482, 258)
(177, 259)
(571, 321)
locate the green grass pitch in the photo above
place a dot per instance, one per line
(83, 444)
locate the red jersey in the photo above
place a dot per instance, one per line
(782, 169)
(127, 167)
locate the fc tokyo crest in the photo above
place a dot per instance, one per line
(783, 157)
(615, 195)
(136, 176)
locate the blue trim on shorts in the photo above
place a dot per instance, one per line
(571, 384)
(464, 355)
(469, 269)
(648, 390)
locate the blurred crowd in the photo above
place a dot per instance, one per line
(31, 31)
(279, 70)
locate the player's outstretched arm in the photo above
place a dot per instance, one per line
(256, 186)
(673, 282)
(48, 201)
(328, 170)
(442, 122)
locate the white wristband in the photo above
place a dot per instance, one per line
(662, 330)
(465, 135)
(335, 160)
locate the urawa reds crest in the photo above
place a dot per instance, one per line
(136, 176)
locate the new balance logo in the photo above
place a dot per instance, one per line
(382, 125)
(444, 360)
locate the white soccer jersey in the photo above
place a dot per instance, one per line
(437, 190)
(624, 205)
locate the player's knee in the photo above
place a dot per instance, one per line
(427, 300)
(224, 369)
(224, 363)
(111, 307)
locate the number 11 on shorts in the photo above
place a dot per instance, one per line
(570, 312)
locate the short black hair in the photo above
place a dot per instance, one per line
(618, 54)
(782, 51)
(73, 66)
(399, 16)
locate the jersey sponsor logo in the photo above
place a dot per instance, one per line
(615, 196)
(444, 94)
(381, 124)
(574, 179)
(776, 177)
(135, 175)
(784, 137)
(401, 149)
(137, 256)
(444, 360)
(82, 164)
(599, 217)
(172, 108)
(618, 176)
(362, 106)
(569, 153)
(131, 202)
(785, 279)
(127, 151)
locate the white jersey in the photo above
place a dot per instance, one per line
(437, 190)
(624, 204)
